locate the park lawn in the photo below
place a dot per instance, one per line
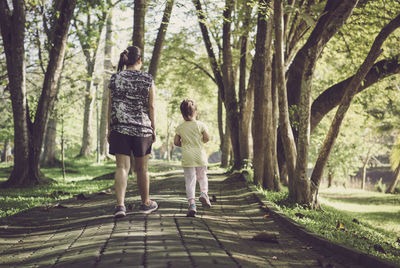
(378, 209)
(79, 175)
(367, 221)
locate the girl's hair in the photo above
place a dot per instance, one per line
(129, 57)
(188, 108)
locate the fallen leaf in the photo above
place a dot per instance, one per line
(274, 257)
(266, 215)
(266, 237)
(340, 226)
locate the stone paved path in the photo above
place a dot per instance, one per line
(84, 234)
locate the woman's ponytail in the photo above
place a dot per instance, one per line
(128, 57)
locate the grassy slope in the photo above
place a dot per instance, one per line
(368, 220)
(79, 175)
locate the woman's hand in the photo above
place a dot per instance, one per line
(154, 136)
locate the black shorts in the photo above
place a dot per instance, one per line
(125, 144)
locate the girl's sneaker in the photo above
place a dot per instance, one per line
(191, 210)
(148, 208)
(120, 211)
(205, 200)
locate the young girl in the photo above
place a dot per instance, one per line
(190, 135)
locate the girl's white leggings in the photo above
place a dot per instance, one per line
(191, 173)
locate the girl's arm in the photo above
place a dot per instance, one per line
(151, 109)
(177, 140)
(206, 137)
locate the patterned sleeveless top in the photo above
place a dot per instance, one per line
(130, 103)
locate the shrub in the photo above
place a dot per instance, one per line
(380, 186)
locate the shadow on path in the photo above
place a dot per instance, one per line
(84, 234)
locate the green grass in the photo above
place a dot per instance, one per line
(79, 175)
(369, 219)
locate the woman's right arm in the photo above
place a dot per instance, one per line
(109, 116)
(152, 94)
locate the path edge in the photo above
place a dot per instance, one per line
(361, 258)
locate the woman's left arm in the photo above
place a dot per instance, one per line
(152, 94)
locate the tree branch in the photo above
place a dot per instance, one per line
(331, 97)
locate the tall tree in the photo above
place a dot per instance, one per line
(139, 14)
(108, 70)
(348, 96)
(260, 65)
(155, 58)
(28, 135)
(89, 23)
(301, 73)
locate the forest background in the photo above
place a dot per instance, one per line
(237, 87)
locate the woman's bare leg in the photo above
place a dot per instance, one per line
(121, 177)
(142, 175)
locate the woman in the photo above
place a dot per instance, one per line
(131, 126)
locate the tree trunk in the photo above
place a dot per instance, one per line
(226, 148)
(211, 55)
(139, 13)
(301, 73)
(160, 39)
(49, 156)
(245, 96)
(6, 154)
(220, 122)
(88, 113)
(259, 94)
(286, 133)
(330, 178)
(108, 69)
(396, 178)
(231, 104)
(269, 176)
(364, 171)
(28, 136)
(350, 92)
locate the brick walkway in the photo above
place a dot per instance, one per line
(84, 234)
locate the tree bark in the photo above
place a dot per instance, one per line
(394, 182)
(90, 48)
(269, 176)
(160, 38)
(301, 73)
(108, 69)
(231, 104)
(364, 170)
(88, 112)
(28, 136)
(49, 155)
(211, 55)
(259, 94)
(350, 92)
(245, 96)
(286, 133)
(139, 13)
(226, 148)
